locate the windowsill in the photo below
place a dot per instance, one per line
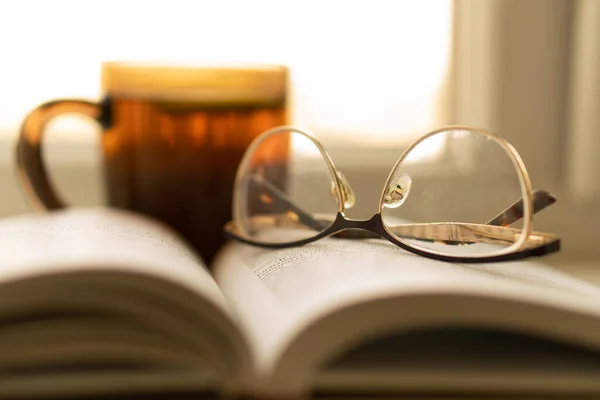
(7, 149)
(85, 153)
(79, 152)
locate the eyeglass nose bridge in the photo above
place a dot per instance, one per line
(354, 228)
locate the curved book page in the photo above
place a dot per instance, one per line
(304, 308)
(105, 291)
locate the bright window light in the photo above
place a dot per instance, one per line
(368, 71)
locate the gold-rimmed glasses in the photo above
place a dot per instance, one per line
(458, 193)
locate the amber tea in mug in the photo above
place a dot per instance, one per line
(172, 139)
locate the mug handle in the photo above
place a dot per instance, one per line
(32, 172)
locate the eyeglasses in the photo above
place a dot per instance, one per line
(456, 194)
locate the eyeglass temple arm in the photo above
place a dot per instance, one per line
(462, 233)
(276, 198)
(541, 200)
(279, 201)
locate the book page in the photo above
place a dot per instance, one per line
(78, 238)
(281, 294)
(74, 269)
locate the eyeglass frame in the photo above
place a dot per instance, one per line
(374, 227)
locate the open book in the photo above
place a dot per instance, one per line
(103, 302)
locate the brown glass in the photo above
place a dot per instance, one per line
(170, 157)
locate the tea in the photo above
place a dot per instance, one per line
(177, 161)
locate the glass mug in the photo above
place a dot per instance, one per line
(173, 136)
